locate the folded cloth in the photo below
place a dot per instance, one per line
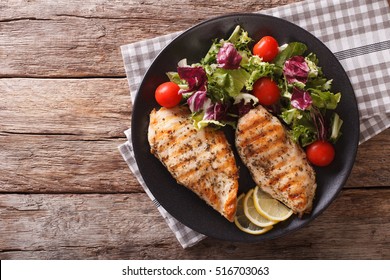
(356, 31)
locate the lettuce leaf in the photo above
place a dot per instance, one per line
(303, 135)
(199, 122)
(239, 38)
(211, 55)
(292, 49)
(289, 116)
(336, 124)
(175, 78)
(257, 69)
(231, 82)
(325, 99)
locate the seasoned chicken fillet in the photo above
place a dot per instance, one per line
(201, 160)
(277, 164)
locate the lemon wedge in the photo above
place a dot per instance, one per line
(243, 223)
(252, 214)
(269, 207)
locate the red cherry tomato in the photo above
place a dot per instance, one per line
(320, 153)
(267, 48)
(266, 90)
(167, 94)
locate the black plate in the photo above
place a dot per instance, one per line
(193, 45)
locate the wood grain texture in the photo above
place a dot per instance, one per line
(82, 38)
(65, 191)
(88, 109)
(63, 164)
(130, 227)
(372, 164)
(63, 135)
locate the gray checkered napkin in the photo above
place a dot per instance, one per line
(356, 31)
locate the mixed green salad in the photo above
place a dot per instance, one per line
(236, 75)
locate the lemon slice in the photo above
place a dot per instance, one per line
(269, 207)
(243, 223)
(252, 214)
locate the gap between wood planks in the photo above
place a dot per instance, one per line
(140, 191)
(86, 77)
(108, 138)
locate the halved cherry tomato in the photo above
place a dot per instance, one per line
(167, 94)
(267, 48)
(320, 153)
(266, 90)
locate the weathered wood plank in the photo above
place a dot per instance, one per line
(61, 135)
(372, 165)
(82, 38)
(63, 164)
(125, 226)
(89, 108)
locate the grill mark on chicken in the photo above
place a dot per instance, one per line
(278, 176)
(201, 160)
(277, 164)
(266, 134)
(256, 123)
(204, 166)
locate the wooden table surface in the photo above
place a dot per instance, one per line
(65, 191)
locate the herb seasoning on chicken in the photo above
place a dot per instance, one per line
(201, 160)
(277, 164)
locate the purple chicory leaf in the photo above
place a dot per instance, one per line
(197, 100)
(242, 107)
(194, 76)
(243, 103)
(300, 99)
(228, 57)
(319, 122)
(296, 69)
(217, 111)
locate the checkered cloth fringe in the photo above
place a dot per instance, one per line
(356, 31)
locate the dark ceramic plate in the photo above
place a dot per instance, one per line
(193, 45)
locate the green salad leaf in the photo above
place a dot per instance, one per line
(218, 88)
(292, 49)
(325, 99)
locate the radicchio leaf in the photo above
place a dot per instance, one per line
(194, 76)
(296, 70)
(301, 99)
(228, 57)
(241, 108)
(217, 111)
(320, 124)
(197, 100)
(243, 103)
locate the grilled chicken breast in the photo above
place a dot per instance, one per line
(201, 160)
(277, 164)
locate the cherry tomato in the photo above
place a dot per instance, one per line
(267, 48)
(167, 94)
(320, 153)
(266, 90)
